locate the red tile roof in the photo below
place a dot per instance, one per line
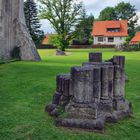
(136, 38)
(45, 40)
(100, 28)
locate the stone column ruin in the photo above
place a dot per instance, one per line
(92, 94)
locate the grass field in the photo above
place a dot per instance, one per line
(26, 87)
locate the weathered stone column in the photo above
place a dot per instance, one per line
(119, 60)
(82, 84)
(61, 96)
(104, 80)
(110, 81)
(119, 88)
(119, 81)
(106, 104)
(83, 91)
(97, 83)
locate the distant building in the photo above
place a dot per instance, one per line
(45, 43)
(135, 39)
(110, 32)
(45, 40)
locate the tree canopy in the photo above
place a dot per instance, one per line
(108, 14)
(63, 16)
(84, 28)
(123, 11)
(127, 11)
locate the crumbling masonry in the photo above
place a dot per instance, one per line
(91, 94)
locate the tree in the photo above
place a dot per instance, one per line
(126, 11)
(84, 28)
(108, 14)
(63, 16)
(14, 34)
(80, 27)
(32, 21)
(123, 11)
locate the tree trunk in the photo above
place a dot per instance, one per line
(14, 33)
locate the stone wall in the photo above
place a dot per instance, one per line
(92, 94)
(13, 31)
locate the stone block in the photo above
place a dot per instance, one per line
(90, 124)
(119, 104)
(95, 57)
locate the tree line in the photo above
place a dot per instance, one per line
(70, 20)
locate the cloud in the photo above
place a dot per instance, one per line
(138, 13)
(46, 26)
(95, 6)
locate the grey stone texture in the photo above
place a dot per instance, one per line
(59, 52)
(92, 94)
(95, 57)
(14, 33)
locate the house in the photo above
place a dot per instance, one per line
(45, 40)
(135, 39)
(112, 32)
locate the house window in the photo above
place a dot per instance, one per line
(100, 39)
(120, 38)
(110, 39)
(113, 29)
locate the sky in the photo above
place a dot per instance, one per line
(94, 7)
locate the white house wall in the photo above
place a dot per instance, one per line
(117, 40)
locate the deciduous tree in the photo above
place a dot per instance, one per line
(123, 11)
(108, 13)
(126, 11)
(63, 16)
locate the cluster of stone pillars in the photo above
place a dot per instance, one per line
(91, 94)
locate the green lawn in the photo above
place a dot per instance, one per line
(26, 87)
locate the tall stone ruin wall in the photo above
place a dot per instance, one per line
(92, 94)
(13, 31)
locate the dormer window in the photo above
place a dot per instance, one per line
(113, 29)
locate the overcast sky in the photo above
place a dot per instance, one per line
(94, 7)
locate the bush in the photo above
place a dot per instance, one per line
(135, 47)
(54, 40)
(58, 42)
(128, 38)
(127, 47)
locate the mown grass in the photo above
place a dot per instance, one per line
(26, 87)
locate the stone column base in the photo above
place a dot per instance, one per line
(87, 124)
